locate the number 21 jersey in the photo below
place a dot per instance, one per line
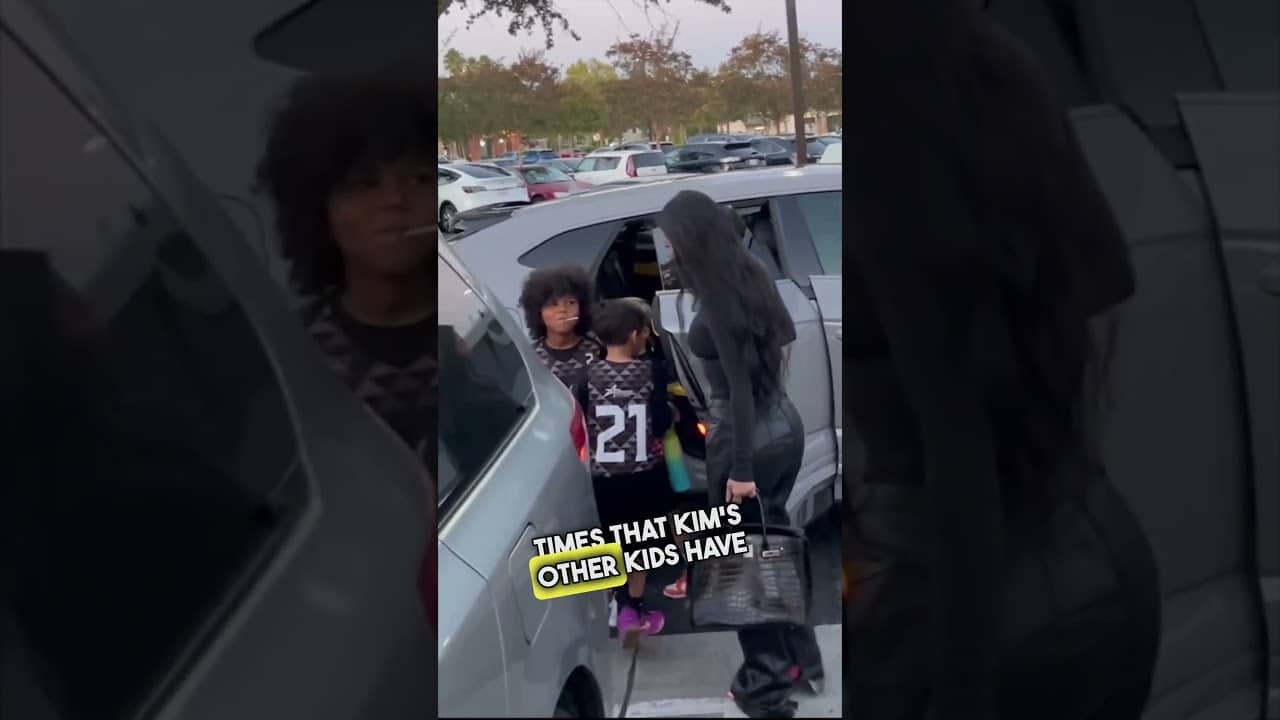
(619, 417)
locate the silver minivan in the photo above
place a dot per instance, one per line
(197, 519)
(793, 222)
(512, 467)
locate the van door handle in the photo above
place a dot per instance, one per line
(1269, 278)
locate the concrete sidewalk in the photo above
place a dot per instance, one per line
(688, 676)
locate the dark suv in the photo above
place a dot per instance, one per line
(715, 157)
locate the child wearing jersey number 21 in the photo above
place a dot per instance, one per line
(624, 397)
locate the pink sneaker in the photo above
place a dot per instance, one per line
(654, 621)
(679, 589)
(630, 626)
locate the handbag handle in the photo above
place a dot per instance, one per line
(764, 529)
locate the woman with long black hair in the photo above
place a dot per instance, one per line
(756, 442)
(1000, 574)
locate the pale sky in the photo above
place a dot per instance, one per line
(706, 33)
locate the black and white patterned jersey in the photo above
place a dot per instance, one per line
(570, 365)
(393, 370)
(620, 417)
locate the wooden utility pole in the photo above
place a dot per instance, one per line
(797, 84)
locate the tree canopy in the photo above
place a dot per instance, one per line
(525, 14)
(644, 82)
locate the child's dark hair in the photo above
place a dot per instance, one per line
(327, 129)
(617, 319)
(544, 286)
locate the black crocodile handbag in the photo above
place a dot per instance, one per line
(770, 585)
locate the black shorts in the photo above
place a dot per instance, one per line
(634, 497)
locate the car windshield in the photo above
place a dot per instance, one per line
(483, 171)
(650, 159)
(544, 174)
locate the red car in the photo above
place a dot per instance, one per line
(548, 183)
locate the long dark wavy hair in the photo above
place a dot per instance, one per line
(730, 285)
(968, 187)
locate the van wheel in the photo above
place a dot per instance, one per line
(567, 705)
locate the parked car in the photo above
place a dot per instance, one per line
(774, 153)
(466, 186)
(793, 222)
(239, 537)
(530, 157)
(513, 431)
(559, 164)
(602, 167)
(547, 183)
(833, 155)
(709, 138)
(572, 163)
(828, 140)
(814, 148)
(716, 157)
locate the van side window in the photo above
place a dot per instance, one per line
(487, 388)
(145, 470)
(822, 216)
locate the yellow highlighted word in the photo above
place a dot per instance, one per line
(587, 569)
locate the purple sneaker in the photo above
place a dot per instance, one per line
(630, 627)
(654, 621)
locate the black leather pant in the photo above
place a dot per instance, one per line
(1080, 608)
(763, 682)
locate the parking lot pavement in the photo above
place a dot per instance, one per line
(688, 676)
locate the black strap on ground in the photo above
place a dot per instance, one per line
(631, 681)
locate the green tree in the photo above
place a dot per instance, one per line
(706, 108)
(584, 107)
(525, 14)
(539, 94)
(754, 81)
(654, 80)
(452, 113)
(477, 98)
(823, 74)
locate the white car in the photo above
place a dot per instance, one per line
(466, 186)
(833, 155)
(603, 167)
